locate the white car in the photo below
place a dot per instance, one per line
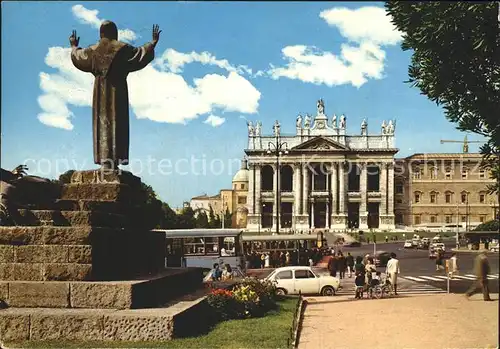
(292, 280)
(408, 244)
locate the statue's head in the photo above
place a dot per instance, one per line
(109, 30)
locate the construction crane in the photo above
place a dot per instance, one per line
(465, 143)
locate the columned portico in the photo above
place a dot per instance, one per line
(320, 189)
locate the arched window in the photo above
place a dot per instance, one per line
(448, 196)
(267, 178)
(433, 197)
(433, 173)
(417, 196)
(417, 172)
(464, 197)
(465, 173)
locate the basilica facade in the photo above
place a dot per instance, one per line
(320, 177)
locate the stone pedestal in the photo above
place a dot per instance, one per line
(253, 223)
(79, 250)
(301, 223)
(363, 221)
(386, 222)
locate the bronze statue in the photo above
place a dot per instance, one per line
(110, 61)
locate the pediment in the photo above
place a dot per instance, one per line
(320, 143)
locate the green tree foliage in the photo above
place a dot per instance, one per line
(488, 226)
(186, 218)
(455, 63)
(170, 219)
(150, 208)
(65, 178)
(228, 219)
(201, 220)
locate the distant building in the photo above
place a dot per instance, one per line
(234, 200)
(441, 190)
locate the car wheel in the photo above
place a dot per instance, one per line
(280, 292)
(378, 292)
(328, 291)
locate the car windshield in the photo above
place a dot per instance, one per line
(408, 240)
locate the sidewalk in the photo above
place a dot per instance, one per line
(419, 322)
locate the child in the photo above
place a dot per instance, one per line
(359, 281)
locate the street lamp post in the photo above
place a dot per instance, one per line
(278, 148)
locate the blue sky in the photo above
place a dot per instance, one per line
(216, 65)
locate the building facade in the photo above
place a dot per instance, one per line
(324, 178)
(234, 200)
(442, 191)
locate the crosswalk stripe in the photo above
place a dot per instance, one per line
(464, 277)
(412, 278)
(474, 276)
(441, 277)
(430, 278)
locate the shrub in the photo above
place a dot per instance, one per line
(224, 304)
(265, 290)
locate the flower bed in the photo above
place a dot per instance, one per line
(249, 298)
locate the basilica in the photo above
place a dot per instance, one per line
(320, 177)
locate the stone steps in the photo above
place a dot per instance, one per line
(146, 292)
(184, 318)
(70, 218)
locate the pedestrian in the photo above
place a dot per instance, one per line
(266, 260)
(333, 266)
(439, 260)
(349, 261)
(453, 265)
(342, 265)
(482, 269)
(370, 269)
(359, 281)
(386, 238)
(392, 271)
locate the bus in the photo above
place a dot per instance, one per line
(288, 242)
(203, 248)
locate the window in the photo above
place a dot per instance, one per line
(287, 274)
(448, 198)
(447, 173)
(417, 220)
(433, 198)
(417, 173)
(463, 198)
(242, 186)
(465, 173)
(194, 246)
(242, 199)
(481, 219)
(399, 201)
(433, 219)
(482, 174)
(463, 219)
(417, 197)
(399, 188)
(481, 198)
(448, 219)
(433, 173)
(304, 274)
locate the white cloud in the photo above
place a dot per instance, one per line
(175, 61)
(367, 23)
(366, 29)
(156, 92)
(214, 120)
(89, 17)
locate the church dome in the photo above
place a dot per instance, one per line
(242, 174)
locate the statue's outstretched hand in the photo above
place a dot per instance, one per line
(156, 34)
(20, 171)
(73, 39)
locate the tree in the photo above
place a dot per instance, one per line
(488, 226)
(65, 178)
(201, 220)
(169, 219)
(150, 208)
(186, 218)
(213, 219)
(455, 63)
(228, 219)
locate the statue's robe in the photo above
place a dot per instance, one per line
(110, 61)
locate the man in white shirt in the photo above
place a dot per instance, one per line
(392, 270)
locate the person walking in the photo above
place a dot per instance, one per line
(439, 260)
(392, 271)
(359, 274)
(482, 269)
(453, 265)
(342, 265)
(349, 260)
(333, 266)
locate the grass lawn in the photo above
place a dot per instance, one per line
(271, 331)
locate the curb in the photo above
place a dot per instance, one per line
(471, 251)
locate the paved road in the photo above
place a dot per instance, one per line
(418, 272)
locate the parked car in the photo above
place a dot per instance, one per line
(292, 280)
(408, 244)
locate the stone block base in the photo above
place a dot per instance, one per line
(70, 218)
(301, 223)
(253, 223)
(154, 324)
(386, 222)
(142, 293)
